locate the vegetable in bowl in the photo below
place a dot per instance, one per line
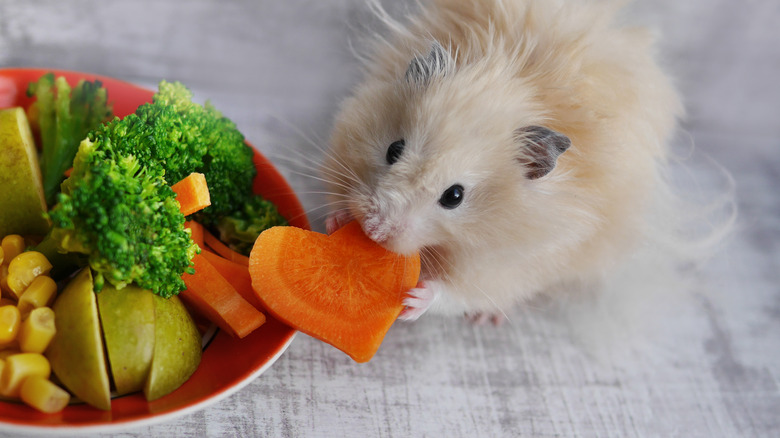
(64, 116)
(117, 208)
(119, 214)
(123, 217)
(214, 376)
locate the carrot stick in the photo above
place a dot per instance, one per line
(214, 297)
(196, 230)
(236, 274)
(192, 193)
(223, 250)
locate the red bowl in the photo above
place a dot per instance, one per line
(227, 365)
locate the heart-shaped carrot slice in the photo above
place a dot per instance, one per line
(343, 289)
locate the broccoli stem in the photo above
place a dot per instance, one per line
(63, 264)
(65, 117)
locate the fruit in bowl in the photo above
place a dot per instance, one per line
(152, 343)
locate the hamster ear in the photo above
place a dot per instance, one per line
(541, 148)
(422, 69)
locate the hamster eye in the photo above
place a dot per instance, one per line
(452, 197)
(394, 151)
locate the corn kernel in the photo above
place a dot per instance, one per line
(10, 320)
(39, 293)
(44, 395)
(13, 245)
(24, 268)
(37, 331)
(2, 254)
(19, 367)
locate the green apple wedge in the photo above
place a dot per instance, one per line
(76, 351)
(128, 321)
(22, 202)
(177, 348)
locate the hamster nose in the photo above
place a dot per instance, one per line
(377, 229)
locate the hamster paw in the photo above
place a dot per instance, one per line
(417, 301)
(336, 220)
(481, 318)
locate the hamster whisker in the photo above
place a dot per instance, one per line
(317, 178)
(302, 135)
(310, 212)
(345, 171)
(306, 162)
(309, 163)
(306, 170)
(340, 176)
(314, 192)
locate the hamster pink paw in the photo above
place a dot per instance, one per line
(480, 318)
(336, 220)
(417, 301)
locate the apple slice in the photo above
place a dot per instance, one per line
(76, 351)
(152, 343)
(177, 348)
(128, 321)
(21, 198)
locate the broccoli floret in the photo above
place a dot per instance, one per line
(64, 117)
(240, 229)
(117, 206)
(187, 137)
(123, 216)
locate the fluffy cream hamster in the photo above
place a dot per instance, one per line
(514, 143)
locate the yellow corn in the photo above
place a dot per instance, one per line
(2, 254)
(39, 293)
(19, 367)
(13, 245)
(7, 302)
(37, 331)
(10, 319)
(24, 268)
(44, 395)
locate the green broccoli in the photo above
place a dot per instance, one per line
(64, 117)
(187, 137)
(117, 207)
(240, 229)
(122, 215)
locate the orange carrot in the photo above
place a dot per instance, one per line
(343, 289)
(236, 274)
(214, 297)
(223, 250)
(192, 193)
(196, 230)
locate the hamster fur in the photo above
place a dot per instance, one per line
(470, 86)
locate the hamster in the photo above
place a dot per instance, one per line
(515, 144)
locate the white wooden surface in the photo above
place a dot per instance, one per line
(695, 360)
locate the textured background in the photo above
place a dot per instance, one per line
(700, 359)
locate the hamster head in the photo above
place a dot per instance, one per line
(439, 154)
